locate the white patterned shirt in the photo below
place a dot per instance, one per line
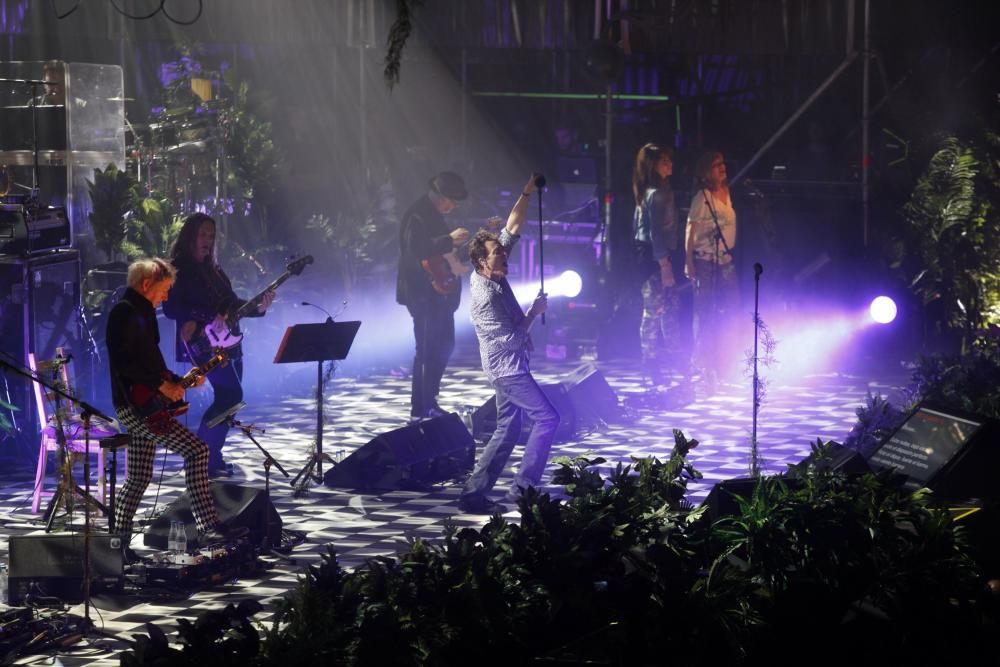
(496, 316)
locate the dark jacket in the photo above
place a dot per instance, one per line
(423, 233)
(656, 231)
(202, 291)
(133, 339)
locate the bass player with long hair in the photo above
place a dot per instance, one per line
(203, 295)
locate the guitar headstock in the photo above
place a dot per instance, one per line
(296, 267)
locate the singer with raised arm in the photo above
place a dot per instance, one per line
(202, 296)
(428, 287)
(710, 239)
(143, 391)
(504, 345)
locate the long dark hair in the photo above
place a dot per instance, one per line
(644, 175)
(188, 235)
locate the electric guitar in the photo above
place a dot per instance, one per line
(156, 408)
(225, 335)
(445, 271)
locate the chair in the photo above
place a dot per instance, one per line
(72, 427)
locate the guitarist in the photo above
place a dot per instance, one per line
(203, 294)
(136, 363)
(430, 297)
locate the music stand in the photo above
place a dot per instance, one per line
(324, 341)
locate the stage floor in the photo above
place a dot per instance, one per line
(363, 525)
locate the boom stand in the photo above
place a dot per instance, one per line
(229, 418)
(87, 411)
(326, 341)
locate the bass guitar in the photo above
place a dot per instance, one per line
(156, 408)
(445, 271)
(225, 335)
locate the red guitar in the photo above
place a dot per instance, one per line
(446, 271)
(157, 409)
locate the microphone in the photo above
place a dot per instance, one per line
(757, 269)
(329, 317)
(539, 181)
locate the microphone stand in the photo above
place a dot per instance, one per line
(754, 461)
(718, 238)
(87, 411)
(539, 184)
(248, 429)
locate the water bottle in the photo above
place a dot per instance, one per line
(177, 539)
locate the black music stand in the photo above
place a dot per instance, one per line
(325, 341)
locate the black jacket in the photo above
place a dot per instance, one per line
(423, 233)
(133, 339)
(201, 291)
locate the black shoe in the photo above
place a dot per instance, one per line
(477, 504)
(436, 411)
(222, 534)
(225, 470)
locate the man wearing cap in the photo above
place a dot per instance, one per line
(424, 238)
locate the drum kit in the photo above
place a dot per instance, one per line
(180, 154)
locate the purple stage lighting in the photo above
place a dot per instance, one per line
(883, 309)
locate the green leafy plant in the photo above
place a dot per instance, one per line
(111, 196)
(152, 227)
(624, 571)
(949, 249)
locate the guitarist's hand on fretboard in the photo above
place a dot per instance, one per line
(265, 301)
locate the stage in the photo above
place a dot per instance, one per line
(361, 526)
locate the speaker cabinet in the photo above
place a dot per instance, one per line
(51, 566)
(236, 505)
(592, 397)
(39, 308)
(411, 457)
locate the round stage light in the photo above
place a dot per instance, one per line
(883, 309)
(569, 284)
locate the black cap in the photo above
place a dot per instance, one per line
(449, 184)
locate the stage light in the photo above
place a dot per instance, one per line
(883, 309)
(568, 284)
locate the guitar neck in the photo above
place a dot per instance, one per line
(191, 377)
(245, 309)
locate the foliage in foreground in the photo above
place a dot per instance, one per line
(623, 571)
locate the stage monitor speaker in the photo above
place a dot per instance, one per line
(840, 458)
(237, 506)
(721, 500)
(39, 303)
(51, 566)
(484, 418)
(592, 397)
(954, 453)
(411, 457)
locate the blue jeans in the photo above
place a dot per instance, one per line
(514, 395)
(227, 391)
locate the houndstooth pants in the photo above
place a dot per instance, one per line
(141, 452)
